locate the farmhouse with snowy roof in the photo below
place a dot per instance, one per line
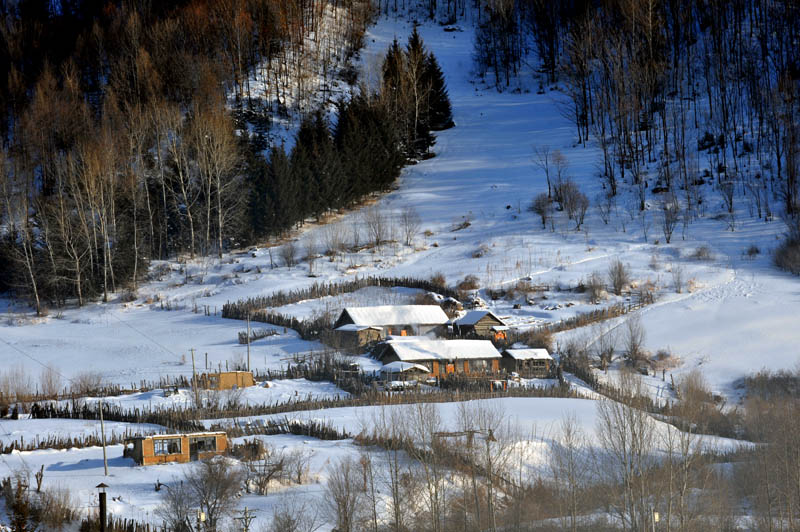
(359, 326)
(480, 324)
(527, 363)
(441, 357)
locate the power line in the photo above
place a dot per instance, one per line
(50, 368)
(144, 335)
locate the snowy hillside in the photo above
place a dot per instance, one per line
(472, 199)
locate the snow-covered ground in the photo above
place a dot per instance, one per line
(31, 431)
(735, 316)
(536, 420)
(269, 392)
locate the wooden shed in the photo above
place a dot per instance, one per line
(403, 371)
(180, 448)
(441, 357)
(528, 363)
(351, 336)
(480, 324)
(227, 380)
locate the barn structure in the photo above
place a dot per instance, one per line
(480, 324)
(181, 448)
(528, 363)
(226, 380)
(366, 324)
(441, 357)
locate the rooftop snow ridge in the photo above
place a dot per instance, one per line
(397, 315)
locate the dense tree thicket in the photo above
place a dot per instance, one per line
(138, 133)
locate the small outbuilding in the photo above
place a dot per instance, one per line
(528, 363)
(480, 324)
(180, 448)
(227, 380)
(403, 371)
(441, 357)
(351, 336)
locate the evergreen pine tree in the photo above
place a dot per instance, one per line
(260, 201)
(349, 138)
(419, 82)
(439, 110)
(302, 171)
(282, 190)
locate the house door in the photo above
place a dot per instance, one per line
(192, 449)
(451, 368)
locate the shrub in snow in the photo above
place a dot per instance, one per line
(787, 256)
(470, 282)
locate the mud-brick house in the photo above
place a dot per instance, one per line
(480, 324)
(441, 357)
(528, 363)
(181, 448)
(367, 324)
(227, 380)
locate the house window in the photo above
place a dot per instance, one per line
(206, 444)
(167, 446)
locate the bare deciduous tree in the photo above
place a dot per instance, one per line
(670, 214)
(542, 158)
(210, 486)
(376, 224)
(569, 463)
(605, 346)
(627, 438)
(410, 223)
(677, 277)
(293, 514)
(595, 287)
(618, 276)
(542, 206)
(333, 238)
(288, 253)
(50, 381)
(343, 495)
(310, 245)
(634, 339)
(574, 202)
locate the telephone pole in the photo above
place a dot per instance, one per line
(248, 341)
(103, 436)
(246, 518)
(194, 381)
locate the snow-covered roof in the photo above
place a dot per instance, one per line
(474, 316)
(398, 366)
(529, 354)
(413, 348)
(397, 315)
(354, 327)
(167, 436)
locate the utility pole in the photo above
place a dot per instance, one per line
(246, 518)
(194, 381)
(248, 341)
(103, 436)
